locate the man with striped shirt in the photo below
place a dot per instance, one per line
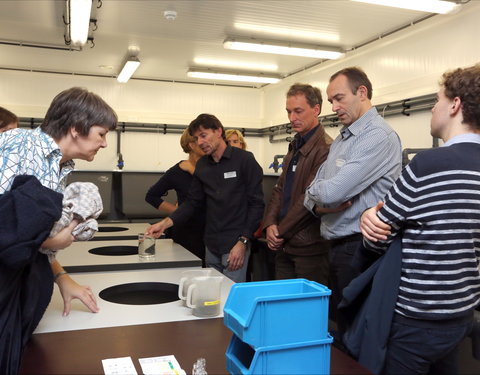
(363, 163)
(435, 206)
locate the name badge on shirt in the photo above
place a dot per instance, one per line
(294, 167)
(232, 174)
(339, 162)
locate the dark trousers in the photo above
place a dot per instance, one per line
(313, 267)
(342, 271)
(425, 347)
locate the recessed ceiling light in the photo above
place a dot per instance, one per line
(283, 48)
(236, 64)
(232, 76)
(287, 32)
(431, 6)
(79, 22)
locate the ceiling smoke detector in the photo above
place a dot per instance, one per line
(170, 15)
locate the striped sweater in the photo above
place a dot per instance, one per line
(436, 204)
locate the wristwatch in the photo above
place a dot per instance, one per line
(243, 240)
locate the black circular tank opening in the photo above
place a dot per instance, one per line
(114, 250)
(112, 229)
(145, 293)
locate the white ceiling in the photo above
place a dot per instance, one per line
(169, 48)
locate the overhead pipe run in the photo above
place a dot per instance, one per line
(404, 107)
(400, 107)
(144, 128)
(19, 43)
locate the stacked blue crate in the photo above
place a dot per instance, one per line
(279, 327)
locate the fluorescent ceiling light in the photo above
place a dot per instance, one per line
(430, 6)
(254, 45)
(284, 31)
(79, 12)
(235, 64)
(128, 69)
(229, 76)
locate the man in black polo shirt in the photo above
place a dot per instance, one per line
(228, 183)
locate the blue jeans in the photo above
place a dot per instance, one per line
(219, 262)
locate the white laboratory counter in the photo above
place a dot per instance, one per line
(77, 258)
(113, 314)
(114, 231)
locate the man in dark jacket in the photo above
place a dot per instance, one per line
(291, 230)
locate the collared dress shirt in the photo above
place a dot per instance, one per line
(363, 163)
(35, 153)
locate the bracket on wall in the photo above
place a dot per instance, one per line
(405, 107)
(276, 164)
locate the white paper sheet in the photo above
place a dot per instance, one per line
(119, 366)
(165, 365)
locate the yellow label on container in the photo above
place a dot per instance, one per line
(211, 303)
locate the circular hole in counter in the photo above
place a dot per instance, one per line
(111, 229)
(144, 293)
(114, 250)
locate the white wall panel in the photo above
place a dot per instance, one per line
(407, 64)
(402, 65)
(29, 94)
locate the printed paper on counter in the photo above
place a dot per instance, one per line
(165, 365)
(119, 366)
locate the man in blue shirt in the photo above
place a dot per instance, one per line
(363, 163)
(228, 183)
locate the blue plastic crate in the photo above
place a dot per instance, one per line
(278, 312)
(311, 357)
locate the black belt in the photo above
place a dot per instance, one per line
(423, 323)
(352, 238)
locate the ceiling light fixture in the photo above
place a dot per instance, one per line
(128, 69)
(235, 64)
(305, 50)
(232, 76)
(287, 32)
(79, 23)
(430, 6)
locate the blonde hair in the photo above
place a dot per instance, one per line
(230, 132)
(185, 141)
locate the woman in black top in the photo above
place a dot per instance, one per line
(178, 178)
